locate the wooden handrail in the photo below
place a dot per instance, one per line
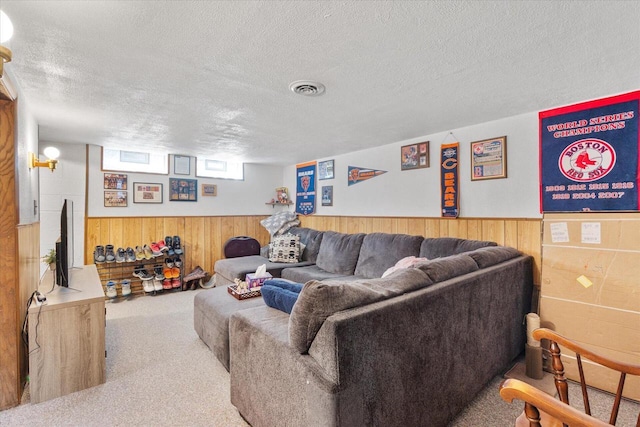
(515, 389)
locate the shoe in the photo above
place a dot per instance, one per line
(126, 287)
(177, 262)
(112, 292)
(109, 254)
(98, 255)
(147, 252)
(194, 284)
(197, 273)
(177, 248)
(175, 283)
(157, 283)
(166, 283)
(169, 263)
(120, 255)
(163, 246)
(142, 273)
(157, 269)
(175, 272)
(155, 249)
(130, 256)
(147, 285)
(139, 253)
(169, 242)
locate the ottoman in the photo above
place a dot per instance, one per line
(212, 309)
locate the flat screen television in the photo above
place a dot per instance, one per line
(64, 245)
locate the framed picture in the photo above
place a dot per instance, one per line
(147, 192)
(181, 165)
(183, 190)
(327, 195)
(489, 159)
(209, 190)
(115, 181)
(325, 170)
(282, 195)
(414, 156)
(115, 199)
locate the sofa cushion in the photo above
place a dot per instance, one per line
(492, 255)
(339, 252)
(311, 272)
(311, 239)
(441, 269)
(380, 251)
(438, 247)
(319, 300)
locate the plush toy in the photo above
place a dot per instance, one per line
(241, 286)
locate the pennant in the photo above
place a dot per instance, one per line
(357, 174)
(306, 188)
(589, 156)
(449, 180)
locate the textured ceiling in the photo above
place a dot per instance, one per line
(212, 78)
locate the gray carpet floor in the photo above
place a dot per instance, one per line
(159, 373)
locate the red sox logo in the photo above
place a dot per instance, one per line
(587, 160)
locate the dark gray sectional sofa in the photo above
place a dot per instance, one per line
(411, 349)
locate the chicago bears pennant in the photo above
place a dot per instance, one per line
(449, 188)
(358, 174)
(306, 188)
(589, 155)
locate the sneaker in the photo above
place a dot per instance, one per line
(177, 248)
(177, 262)
(166, 283)
(126, 287)
(147, 285)
(163, 246)
(120, 255)
(155, 249)
(147, 252)
(176, 283)
(112, 292)
(157, 282)
(98, 255)
(142, 273)
(158, 269)
(130, 255)
(139, 253)
(175, 272)
(109, 254)
(169, 262)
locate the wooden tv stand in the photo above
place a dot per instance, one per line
(67, 336)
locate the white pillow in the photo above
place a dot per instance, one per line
(285, 248)
(405, 262)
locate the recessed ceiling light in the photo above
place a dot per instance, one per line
(307, 88)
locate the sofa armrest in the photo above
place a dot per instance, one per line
(447, 340)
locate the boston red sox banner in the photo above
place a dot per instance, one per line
(589, 155)
(306, 188)
(449, 180)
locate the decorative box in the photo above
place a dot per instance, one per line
(254, 282)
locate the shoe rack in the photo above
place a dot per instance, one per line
(118, 271)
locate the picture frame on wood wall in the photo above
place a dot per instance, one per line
(147, 192)
(115, 199)
(414, 156)
(489, 159)
(183, 190)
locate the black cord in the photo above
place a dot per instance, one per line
(25, 331)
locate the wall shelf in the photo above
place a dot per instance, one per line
(274, 204)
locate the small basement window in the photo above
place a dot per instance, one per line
(134, 161)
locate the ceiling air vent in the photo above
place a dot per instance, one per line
(307, 88)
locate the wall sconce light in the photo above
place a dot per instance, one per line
(6, 31)
(52, 154)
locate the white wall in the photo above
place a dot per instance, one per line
(246, 197)
(66, 182)
(417, 192)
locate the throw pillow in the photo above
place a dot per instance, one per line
(285, 248)
(405, 262)
(279, 298)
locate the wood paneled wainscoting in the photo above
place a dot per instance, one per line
(203, 237)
